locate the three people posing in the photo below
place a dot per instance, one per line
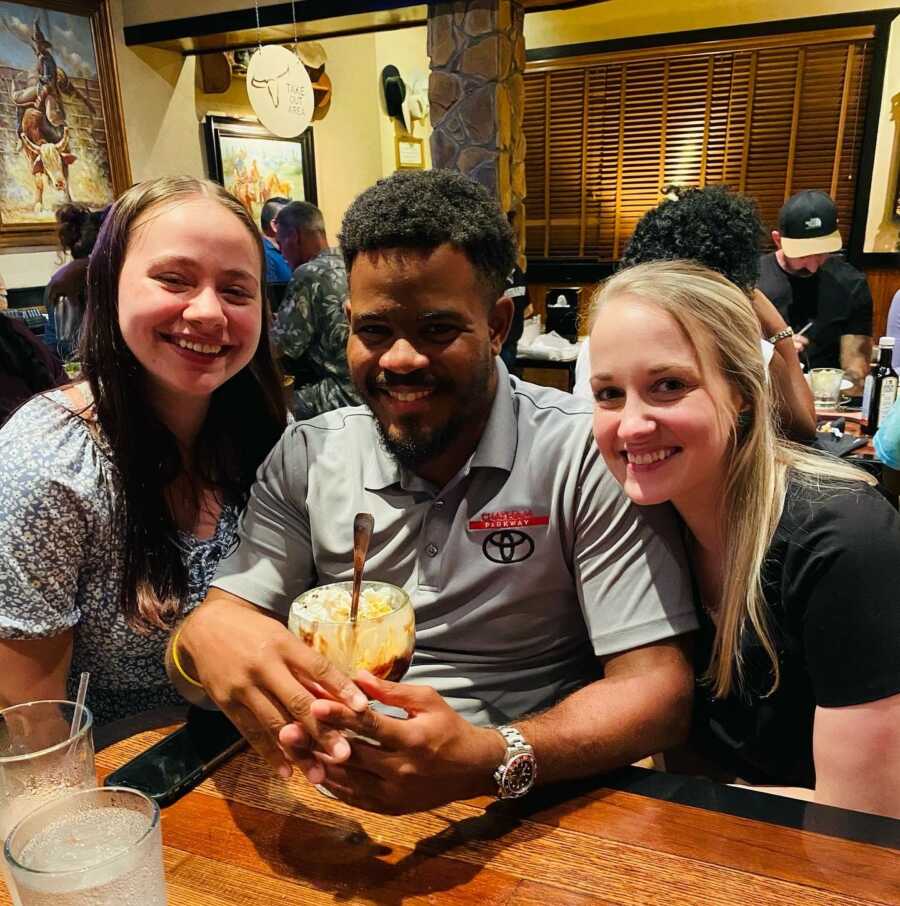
(573, 647)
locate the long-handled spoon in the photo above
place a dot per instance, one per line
(363, 525)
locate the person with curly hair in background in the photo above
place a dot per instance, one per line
(26, 367)
(722, 230)
(65, 295)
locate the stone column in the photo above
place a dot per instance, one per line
(477, 95)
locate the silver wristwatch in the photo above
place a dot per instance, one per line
(517, 772)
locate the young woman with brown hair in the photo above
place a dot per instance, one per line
(119, 496)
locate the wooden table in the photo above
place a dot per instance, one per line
(635, 837)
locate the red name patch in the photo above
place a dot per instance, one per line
(509, 519)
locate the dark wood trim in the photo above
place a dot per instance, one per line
(886, 260)
(722, 33)
(243, 19)
(567, 273)
(862, 197)
(716, 797)
(281, 14)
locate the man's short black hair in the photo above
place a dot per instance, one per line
(270, 210)
(714, 226)
(423, 209)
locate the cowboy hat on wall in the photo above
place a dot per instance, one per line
(405, 102)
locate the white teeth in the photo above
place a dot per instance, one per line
(644, 459)
(198, 347)
(408, 397)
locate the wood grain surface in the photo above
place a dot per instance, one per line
(247, 837)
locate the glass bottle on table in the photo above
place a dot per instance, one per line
(880, 391)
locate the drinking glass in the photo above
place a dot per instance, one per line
(72, 370)
(101, 847)
(383, 645)
(38, 760)
(826, 387)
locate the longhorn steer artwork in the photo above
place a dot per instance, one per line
(48, 155)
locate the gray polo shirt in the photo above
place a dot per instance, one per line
(528, 564)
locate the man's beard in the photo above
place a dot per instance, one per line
(417, 446)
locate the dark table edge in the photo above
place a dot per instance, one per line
(677, 788)
(696, 792)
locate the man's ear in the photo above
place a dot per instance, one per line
(499, 322)
(776, 238)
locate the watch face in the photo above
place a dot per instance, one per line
(519, 776)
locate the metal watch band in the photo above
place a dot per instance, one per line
(781, 335)
(514, 739)
(516, 774)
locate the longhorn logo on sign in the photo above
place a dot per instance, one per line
(280, 91)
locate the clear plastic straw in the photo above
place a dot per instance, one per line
(79, 704)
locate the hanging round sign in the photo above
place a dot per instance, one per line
(280, 91)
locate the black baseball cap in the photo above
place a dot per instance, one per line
(808, 224)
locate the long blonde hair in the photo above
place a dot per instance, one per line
(719, 321)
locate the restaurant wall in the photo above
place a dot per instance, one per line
(882, 231)
(347, 140)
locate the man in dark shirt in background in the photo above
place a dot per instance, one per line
(809, 285)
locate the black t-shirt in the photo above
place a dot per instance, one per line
(836, 299)
(832, 583)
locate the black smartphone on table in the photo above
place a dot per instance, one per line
(176, 764)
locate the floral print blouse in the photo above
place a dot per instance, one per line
(61, 561)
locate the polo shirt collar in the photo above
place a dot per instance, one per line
(495, 450)
(497, 447)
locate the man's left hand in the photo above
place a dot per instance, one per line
(431, 758)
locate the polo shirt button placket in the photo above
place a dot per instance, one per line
(439, 504)
(431, 550)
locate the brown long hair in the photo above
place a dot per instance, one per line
(246, 414)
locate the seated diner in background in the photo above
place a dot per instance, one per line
(26, 365)
(797, 656)
(569, 633)
(720, 229)
(825, 300)
(65, 296)
(119, 495)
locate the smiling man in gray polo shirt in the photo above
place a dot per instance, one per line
(546, 603)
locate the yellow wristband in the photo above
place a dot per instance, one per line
(177, 662)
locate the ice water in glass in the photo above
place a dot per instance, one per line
(100, 847)
(39, 761)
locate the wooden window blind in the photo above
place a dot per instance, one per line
(767, 116)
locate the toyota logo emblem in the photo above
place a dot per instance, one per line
(507, 547)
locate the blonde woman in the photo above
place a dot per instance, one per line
(796, 557)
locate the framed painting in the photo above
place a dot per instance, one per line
(62, 135)
(255, 165)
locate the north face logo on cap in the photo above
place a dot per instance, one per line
(813, 223)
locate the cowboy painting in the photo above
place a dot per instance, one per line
(51, 157)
